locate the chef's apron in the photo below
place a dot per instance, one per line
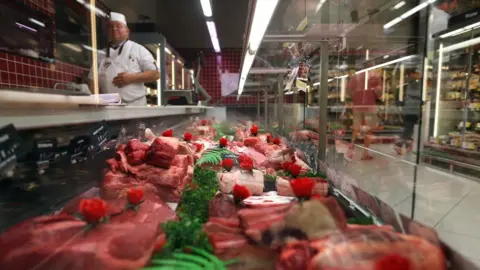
(111, 66)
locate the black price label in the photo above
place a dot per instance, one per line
(45, 150)
(78, 146)
(10, 143)
(99, 135)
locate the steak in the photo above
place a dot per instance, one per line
(162, 152)
(223, 206)
(59, 242)
(166, 183)
(361, 249)
(135, 151)
(152, 210)
(253, 181)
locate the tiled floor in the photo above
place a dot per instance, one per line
(446, 202)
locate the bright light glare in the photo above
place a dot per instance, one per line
(319, 5)
(408, 14)
(36, 22)
(159, 86)
(462, 45)
(461, 30)
(399, 5)
(387, 63)
(437, 95)
(206, 7)
(168, 50)
(213, 36)
(261, 18)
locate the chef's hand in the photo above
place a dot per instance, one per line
(122, 79)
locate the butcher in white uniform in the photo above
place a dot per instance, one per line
(124, 66)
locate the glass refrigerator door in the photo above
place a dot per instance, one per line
(456, 132)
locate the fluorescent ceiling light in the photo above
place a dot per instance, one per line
(22, 26)
(261, 18)
(72, 47)
(206, 7)
(168, 50)
(91, 49)
(399, 5)
(408, 14)
(39, 23)
(462, 45)
(213, 35)
(387, 63)
(461, 30)
(437, 94)
(319, 5)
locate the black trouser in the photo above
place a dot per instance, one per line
(409, 121)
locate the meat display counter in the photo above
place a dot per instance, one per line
(227, 196)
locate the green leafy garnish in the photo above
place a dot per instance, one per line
(268, 177)
(196, 197)
(314, 174)
(183, 233)
(213, 156)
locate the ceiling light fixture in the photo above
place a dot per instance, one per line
(387, 63)
(461, 30)
(39, 23)
(462, 45)
(408, 14)
(206, 7)
(399, 5)
(213, 36)
(262, 15)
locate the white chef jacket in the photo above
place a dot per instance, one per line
(129, 57)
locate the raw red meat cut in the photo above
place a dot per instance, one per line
(167, 183)
(162, 152)
(360, 249)
(152, 210)
(59, 242)
(222, 205)
(135, 151)
(251, 141)
(295, 256)
(266, 148)
(253, 181)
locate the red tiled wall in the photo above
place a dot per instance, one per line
(19, 71)
(228, 59)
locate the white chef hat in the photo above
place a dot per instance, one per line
(118, 17)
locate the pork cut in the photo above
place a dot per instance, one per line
(162, 152)
(167, 183)
(60, 243)
(253, 181)
(367, 246)
(152, 210)
(251, 141)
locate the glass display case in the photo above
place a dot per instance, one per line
(454, 133)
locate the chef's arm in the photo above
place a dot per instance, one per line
(145, 77)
